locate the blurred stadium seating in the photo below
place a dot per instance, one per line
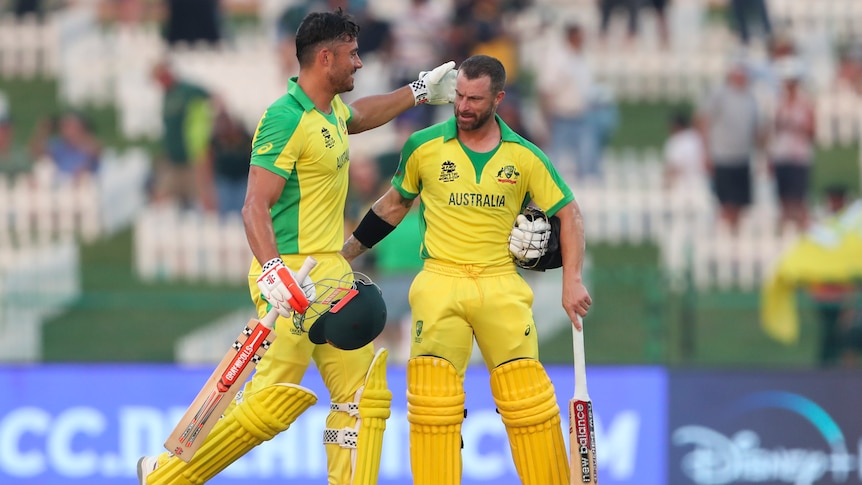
(103, 65)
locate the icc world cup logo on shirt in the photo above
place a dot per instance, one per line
(508, 175)
(447, 172)
(327, 138)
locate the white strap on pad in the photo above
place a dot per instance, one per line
(345, 437)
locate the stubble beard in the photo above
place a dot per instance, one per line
(343, 84)
(480, 120)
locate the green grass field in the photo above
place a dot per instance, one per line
(120, 318)
(634, 320)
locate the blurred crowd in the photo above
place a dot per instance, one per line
(760, 118)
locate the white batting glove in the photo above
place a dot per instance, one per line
(436, 86)
(529, 239)
(278, 285)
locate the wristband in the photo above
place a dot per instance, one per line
(420, 91)
(372, 229)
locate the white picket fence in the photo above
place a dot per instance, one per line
(838, 114)
(172, 244)
(841, 18)
(43, 217)
(36, 282)
(28, 48)
(631, 206)
(208, 344)
(44, 206)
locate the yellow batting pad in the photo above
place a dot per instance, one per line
(435, 410)
(374, 403)
(258, 418)
(525, 399)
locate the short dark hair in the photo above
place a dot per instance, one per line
(836, 190)
(680, 118)
(573, 27)
(320, 27)
(481, 65)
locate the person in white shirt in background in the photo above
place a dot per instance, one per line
(566, 87)
(791, 147)
(684, 156)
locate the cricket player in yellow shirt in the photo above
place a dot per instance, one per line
(294, 208)
(475, 176)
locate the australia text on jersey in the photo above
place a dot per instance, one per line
(476, 199)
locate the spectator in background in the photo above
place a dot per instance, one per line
(363, 189)
(418, 38)
(660, 7)
(69, 142)
(375, 32)
(834, 303)
(731, 125)
(388, 159)
(24, 8)
(684, 155)
(187, 123)
(604, 117)
(849, 71)
(791, 149)
(511, 113)
(565, 88)
(606, 11)
(492, 38)
(750, 18)
(765, 76)
(461, 32)
(228, 160)
(14, 159)
(193, 21)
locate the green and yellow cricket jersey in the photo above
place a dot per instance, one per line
(310, 150)
(470, 200)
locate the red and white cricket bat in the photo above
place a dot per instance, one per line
(226, 380)
(582, 434)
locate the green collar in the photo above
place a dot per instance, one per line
(450, 130)
(298, 94)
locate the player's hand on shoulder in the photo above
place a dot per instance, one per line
(436, 86)
(279, 286)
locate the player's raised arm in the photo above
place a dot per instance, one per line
(576, 298)
(379, 221)
(433, 87)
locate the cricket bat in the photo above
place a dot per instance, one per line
(582, 434)
(225, 381)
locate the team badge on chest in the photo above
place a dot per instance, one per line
(508, 175)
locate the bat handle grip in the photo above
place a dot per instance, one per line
(307, 266)
(580, 361)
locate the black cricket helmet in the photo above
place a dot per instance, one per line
(350, 312)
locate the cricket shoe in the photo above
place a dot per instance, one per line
(146, 465)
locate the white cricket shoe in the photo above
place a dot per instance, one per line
(146, 465)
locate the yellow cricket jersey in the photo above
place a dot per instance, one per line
(469, 201)
(310, 150)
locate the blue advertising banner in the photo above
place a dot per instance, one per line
(68, 424)
(800, 428)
